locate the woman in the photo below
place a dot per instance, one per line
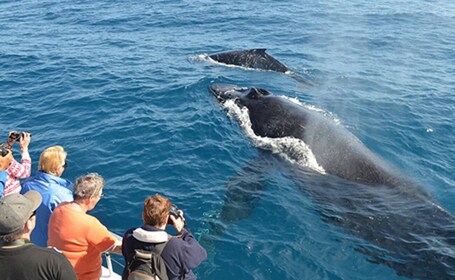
(181, 254)
(81, 237)
(52, 188)
(17, 170)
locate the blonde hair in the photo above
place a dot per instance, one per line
(51, 158)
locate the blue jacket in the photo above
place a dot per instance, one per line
(181, 254)
(54, 190)
(2, 181)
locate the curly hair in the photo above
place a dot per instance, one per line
(156, 210)
(10, 237)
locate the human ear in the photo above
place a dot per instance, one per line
(30, 224)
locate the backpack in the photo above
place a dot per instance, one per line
(148, 265)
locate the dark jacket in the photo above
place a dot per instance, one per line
(182, 254)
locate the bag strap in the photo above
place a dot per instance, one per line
(146, 255)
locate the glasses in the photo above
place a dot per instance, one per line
(65, 165)
(101, 195)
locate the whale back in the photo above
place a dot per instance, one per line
(335, 149)
(253, 58)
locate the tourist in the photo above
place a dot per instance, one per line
(6, 157)
(17, 170)
(53, 189)
(81, 237)
(19, 258)
(181, 254)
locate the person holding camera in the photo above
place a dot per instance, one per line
(17, 170)
(81, 237)
(53, 188)
(181, 253)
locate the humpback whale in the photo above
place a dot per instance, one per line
(335, 149)
(255, 59)
(367, 197)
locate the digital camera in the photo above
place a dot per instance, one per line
(174, 212)
(14, 136)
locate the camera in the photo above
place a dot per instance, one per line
(3, 150)
(174, 212)
(14, 136)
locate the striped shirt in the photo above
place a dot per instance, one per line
(17, 171)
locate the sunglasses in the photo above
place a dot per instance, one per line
(4, 149)
(33, 214)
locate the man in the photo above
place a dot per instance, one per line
(19, 258)
(80, 236)
(181, 253)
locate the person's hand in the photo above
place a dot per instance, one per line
(179, 223)
(24, 142)
(116, 248)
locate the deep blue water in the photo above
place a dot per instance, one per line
(122, 85)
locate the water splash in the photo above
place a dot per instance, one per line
(290, 148)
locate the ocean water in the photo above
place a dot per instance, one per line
(122, 85)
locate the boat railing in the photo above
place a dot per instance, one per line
(109, 260)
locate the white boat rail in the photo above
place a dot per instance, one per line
(108, 272)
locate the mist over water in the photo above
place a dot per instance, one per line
(116, 84)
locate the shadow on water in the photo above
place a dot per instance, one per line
(243, 191)
(406, 232)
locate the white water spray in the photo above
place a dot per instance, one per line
(290, 148)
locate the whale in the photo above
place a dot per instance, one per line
(395, 222)
(255, 59)
(335, 149)
(252, 58)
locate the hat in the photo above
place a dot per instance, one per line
(16, 209)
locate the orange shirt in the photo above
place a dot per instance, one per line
(82, 238)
